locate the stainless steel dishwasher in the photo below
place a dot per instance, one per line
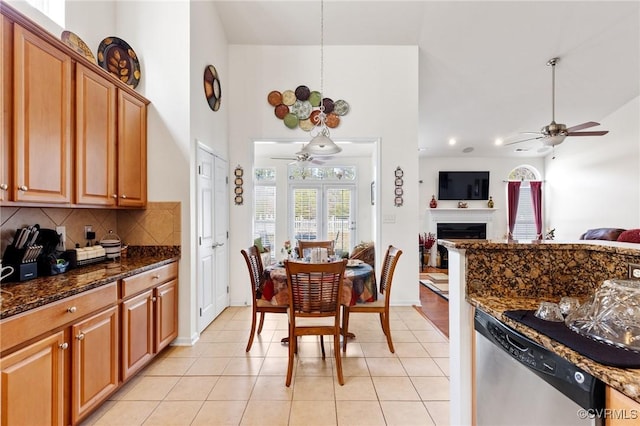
(519, 382)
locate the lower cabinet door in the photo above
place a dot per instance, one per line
(33, 383)
(137, 333)
(166, 314)
(95, 361)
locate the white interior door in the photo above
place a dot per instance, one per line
(205, 278)
(221, 234)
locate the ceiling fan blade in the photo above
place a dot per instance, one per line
(283, 158)
(524, 140)
(583, 126)
(318, 162)
(596, 133)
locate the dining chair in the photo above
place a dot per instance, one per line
(256, 274)
(380, 306)
(303, 245)
(314, 306)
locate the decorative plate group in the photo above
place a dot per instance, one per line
(238, 191)
(114, 55)
(300, 107)
(398, 192)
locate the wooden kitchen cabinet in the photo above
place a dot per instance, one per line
(132, 150)
(62, 357)
(95, 135)
(95, 362)
(42, 118)
(32, 384)
(149, 316)
(621, 410)
(6, 109)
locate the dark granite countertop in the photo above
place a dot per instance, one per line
(591, 245)
(626, 381)
(19, 297)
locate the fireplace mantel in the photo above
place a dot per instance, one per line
(458, 215)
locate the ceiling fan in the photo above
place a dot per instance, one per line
(300, 157)
(554, 133)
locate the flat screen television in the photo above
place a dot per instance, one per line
(463, 185)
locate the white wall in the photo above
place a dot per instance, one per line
(594, 182)
(380, 83)
(499, 169)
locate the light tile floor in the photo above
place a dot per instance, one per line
(215, 382)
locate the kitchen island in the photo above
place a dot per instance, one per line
(505, 275)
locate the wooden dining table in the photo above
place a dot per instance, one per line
(359, 285)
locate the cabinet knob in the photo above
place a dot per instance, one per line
(4, 186)
(63, 346)
(80, 336)
(114, 196)
(156, 277)
(153, 299)
(123, 196)
(23, 188)
(72, 310)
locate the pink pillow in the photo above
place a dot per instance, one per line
(630, 236)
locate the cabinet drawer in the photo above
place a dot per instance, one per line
(31, 324)
(137, 283)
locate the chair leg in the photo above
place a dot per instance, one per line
(387, 331)
(253, 330)
(322, 345)
(345, 327)
(292, 349)
(336, 346)
(261, 322)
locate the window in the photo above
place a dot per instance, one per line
(525, 226)
(264, 219)
(54, 9)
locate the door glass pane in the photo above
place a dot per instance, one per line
(305, 213)
(264, 221)
(339, 217)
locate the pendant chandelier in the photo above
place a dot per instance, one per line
(321, 143)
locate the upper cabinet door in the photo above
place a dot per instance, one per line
(132, 151)
(6, 122)
(95, 139)
(42, 117)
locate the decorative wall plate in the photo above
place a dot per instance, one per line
(77, 44)
(118, 58)
(212, 89)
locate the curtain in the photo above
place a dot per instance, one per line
(536, 200)
(513, 196)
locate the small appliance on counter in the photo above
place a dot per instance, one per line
(112, 245)
(29, 253)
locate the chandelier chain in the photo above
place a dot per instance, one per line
(321, 54)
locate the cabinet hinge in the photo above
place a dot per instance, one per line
(199, 240)
(227, 289)
(226, 179)
(199, 169)
(200, 311)
(227, 235)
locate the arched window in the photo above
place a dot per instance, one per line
(525, 225)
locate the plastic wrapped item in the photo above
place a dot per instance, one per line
(612, 315)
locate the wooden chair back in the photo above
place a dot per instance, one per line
(388, 267)
(314, 288)
(303, 245)
(256, 270)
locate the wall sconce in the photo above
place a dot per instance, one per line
(398, 192)
(238, 173)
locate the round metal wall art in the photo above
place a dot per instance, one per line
(212, 88)
(298, 108)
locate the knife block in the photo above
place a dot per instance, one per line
(22, 271)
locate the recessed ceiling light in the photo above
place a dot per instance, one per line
(452, 141)
(468, 149)
(421, 149)
(498, 142)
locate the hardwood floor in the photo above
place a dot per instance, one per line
(435, 307)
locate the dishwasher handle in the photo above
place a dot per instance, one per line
(515, 345)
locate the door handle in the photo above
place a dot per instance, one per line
(216, 245)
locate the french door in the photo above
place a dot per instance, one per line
(324, 212)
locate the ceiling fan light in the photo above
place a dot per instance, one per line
(553, 140)
(321, 144)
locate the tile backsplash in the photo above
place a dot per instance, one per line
(157, 225)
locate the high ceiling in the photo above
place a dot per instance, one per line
(482, 64)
